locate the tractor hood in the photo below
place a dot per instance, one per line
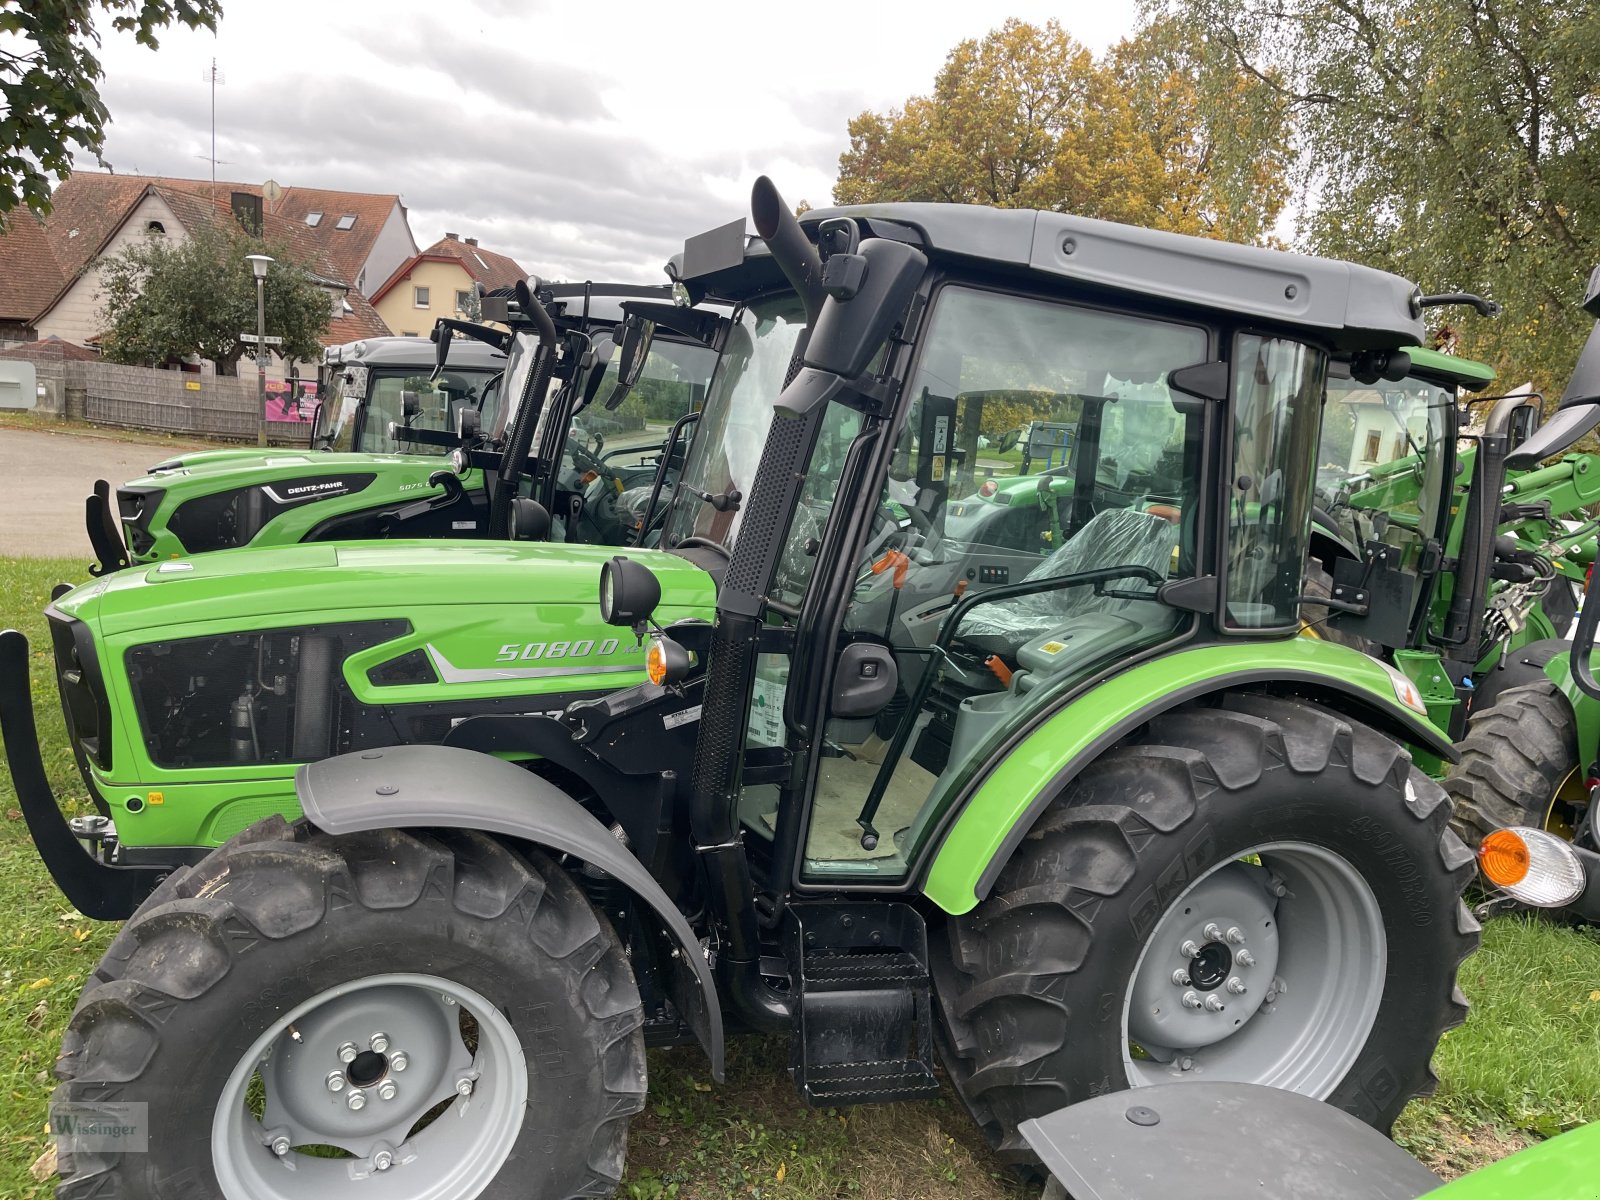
(255, 589)
(203, 471)
(204, 458)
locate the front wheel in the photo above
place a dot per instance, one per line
(1264, 892)
(302, 1017)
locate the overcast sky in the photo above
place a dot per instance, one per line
(585, 140)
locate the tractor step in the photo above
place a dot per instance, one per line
(863, 1017)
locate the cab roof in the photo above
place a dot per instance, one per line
(1351, 306)
(412, 352)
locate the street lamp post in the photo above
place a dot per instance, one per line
(259, 264)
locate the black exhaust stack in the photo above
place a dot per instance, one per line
(793, 252)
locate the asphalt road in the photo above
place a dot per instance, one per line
(47, 476)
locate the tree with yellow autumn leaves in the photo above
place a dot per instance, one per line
(1162, 131)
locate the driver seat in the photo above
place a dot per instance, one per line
(1113, 538)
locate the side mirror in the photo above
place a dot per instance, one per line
(603, 352)
(633, 339)
(410, 405)
(1523, 423)
(864, 681)
(469, 423)
(442, 337)
(629, 593)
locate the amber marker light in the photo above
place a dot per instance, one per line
(1503, 858)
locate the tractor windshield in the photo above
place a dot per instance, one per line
(722, 459)
(371, 398)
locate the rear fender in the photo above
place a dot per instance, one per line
(987, 820)
(1585, 712)
(442, 787)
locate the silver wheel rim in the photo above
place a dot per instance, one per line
(436, 1118)
(1306, 957)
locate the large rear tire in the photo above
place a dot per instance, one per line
(1519, 765)
(1321, 856)
(487, 1017)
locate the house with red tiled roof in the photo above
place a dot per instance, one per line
(441, 282)
(49, 273)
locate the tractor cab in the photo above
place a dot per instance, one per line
(372, 393)
(606, 424)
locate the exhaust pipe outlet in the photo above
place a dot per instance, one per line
(794, 253)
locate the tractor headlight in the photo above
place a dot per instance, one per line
(1532, 867)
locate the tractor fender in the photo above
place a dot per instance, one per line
(987, 821)
(442, 787)
(1525, 664)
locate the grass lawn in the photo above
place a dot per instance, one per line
(1526, 1065)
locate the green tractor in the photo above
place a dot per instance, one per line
(409, 437)
(1170, 841)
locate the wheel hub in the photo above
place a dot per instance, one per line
(1210, 967)
(1204, 976)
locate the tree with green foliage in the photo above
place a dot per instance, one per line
(164, 299)
(1164, 132)
(50, 83)
(1456, 142)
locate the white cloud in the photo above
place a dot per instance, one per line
(583, 140)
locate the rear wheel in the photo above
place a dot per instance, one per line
(1519, 766)
(308, 1016)
(1265, 892)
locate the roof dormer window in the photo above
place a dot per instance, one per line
(314, 219)
(348, 221)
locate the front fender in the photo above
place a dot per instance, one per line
(984, 826)
(1585, 712)
(442, 787)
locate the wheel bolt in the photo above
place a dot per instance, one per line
(347, 1052)
(1245, 959)
(1235, 935)
(463, 1087)
(357, 1101)
(1213, 1004)
(379, 1042)
(448, 1000)
(1189, 950)
(1213, 932)
(382, 1160)
(1180, 978)
(1186, 1064)
(336, 1081)
(280, 1145)
(1236, 986)
(1191, 1000)
(398, 1061)
(386, 1090)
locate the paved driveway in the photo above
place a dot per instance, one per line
(44, 478)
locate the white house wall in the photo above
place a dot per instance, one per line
(77, 317)
(393, 248)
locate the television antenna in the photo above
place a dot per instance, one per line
(213, 76)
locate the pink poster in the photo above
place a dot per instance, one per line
(291, 399)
